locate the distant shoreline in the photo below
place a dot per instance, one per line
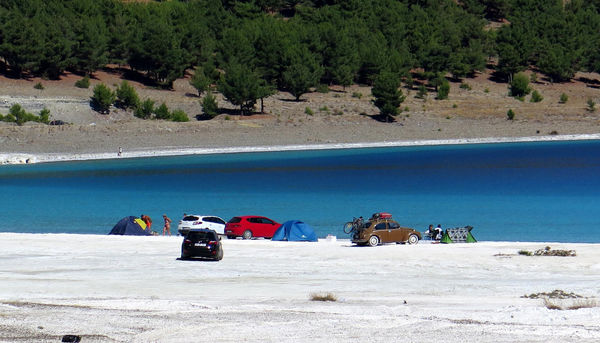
(33, 158)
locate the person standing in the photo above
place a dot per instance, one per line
(167, 227)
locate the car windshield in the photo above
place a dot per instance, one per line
(202, 236)
(190, 218)
(235, 220)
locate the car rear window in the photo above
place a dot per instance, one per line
(190, 218)
(202, 236)
(235, 220)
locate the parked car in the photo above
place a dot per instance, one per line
(384, 230)
(194, 221)
(202, 243)
(251, 226)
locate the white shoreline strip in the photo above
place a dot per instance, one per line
(25, 158)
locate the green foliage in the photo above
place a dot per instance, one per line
(388, 96)
(591, 105)
(357, 95)
(179, 116)
(422, 92)
(19, 116)
(342, 41)
(302, 74)
(242, 86)
(519, 86)
(83, 83)
(321, 88)
(162, 112)
(536, 96)
(563, 98)
(102, 98)
(145, 109)
(210, 107)
(38, 86)
(443, 90)
(308, 111)
(200, 81)
(465, 85)
(127, 97)
(510, 114)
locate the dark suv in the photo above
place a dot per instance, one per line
(202, 243)
(377, 231)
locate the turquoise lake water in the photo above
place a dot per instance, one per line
(545, 191)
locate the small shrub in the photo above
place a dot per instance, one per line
(210, 108)
(179, 116)
(486, 90)
(323, 297)
(338, 112)
(443, 90)
(591, 105)
(308, 111)
(227, 117)
(357, 95)
(525, 253)
(324, 109)
(102, 98)
(39, 86)
(519, 87)
(323, 88)
(127, 96)
(454, 105)
(533, 77)
(145, 109)
(553, 132)
(44, 116)
(563, 98)
(536, 96)
(510, 114)
(422, 92)
(465, 85)
(83, 83)
(162, 112)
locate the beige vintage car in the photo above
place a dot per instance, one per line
(375, 232)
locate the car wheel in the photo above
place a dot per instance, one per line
(219, 256)
(247, 234)
(413, 239)
(373, 241)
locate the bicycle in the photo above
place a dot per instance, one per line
(355, 225)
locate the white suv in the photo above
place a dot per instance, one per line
(193, 221)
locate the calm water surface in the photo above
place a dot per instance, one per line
(518, 191)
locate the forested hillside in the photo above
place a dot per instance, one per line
(292, 45)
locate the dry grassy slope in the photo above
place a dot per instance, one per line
(339, 116)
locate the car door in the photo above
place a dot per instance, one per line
(395, 232)
(267, 227)
(381, 230)
(215, 223)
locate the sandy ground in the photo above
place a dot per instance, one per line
(338, 117)
(134, 289)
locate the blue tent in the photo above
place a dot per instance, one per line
(131, 226)
(295, 230)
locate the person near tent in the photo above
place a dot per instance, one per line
(167, 227)
(438, 232)
(429, 231)
(146, 220)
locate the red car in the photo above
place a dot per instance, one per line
(251, 226)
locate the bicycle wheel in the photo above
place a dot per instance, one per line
(348, 227)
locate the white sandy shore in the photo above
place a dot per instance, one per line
(134, 289)
(25, 158)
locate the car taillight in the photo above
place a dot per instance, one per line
(212, 243)
(197, 223)
(187, 241)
